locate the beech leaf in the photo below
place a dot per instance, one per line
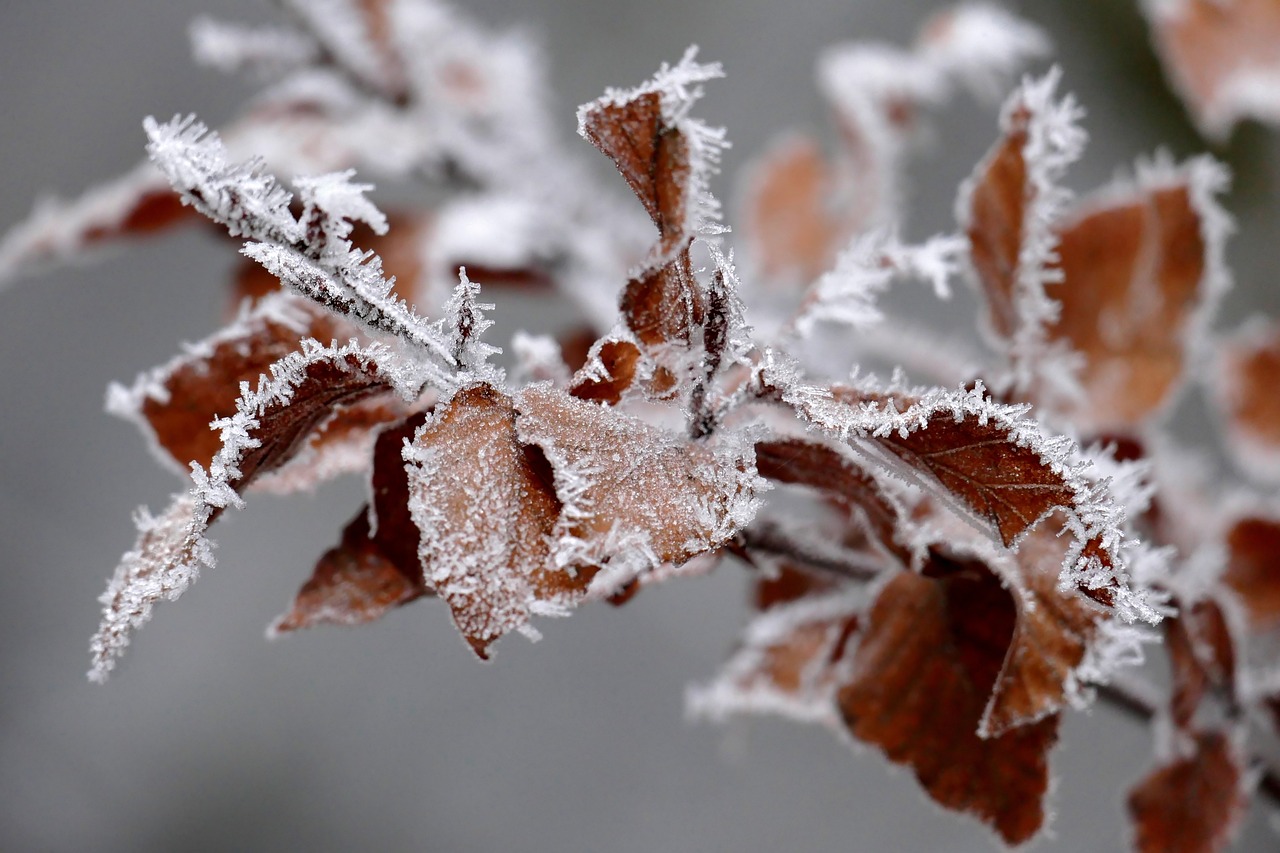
(1192, 803)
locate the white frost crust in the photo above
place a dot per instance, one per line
(1093, 515)
(266, 52)
(1206, 181)
(339, 27)
(847, 294)
(981, 46)
(170, 551)
(680, 87)
(538, 359)
(739, 688)
(1055, 140)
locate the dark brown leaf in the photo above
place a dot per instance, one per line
(1193, 804)
(922, 675)
(1253, 569)
(1248, 365)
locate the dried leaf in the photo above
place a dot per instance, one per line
(1201, 656)
(634, 495)
(924, 669)
(353, 583)
(608, 373)
(790, 661)
(486, 506)
(789, 218)
(1222, 58)
(176, 404)
(1248, 363)
(1253, 569)
(267, 429)
(1192, 804)
(1140, 267)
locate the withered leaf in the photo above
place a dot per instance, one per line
(922, 674)
(1054, 630)
(485, 507)
(617, 372)
(176, 403)
(634, 495)
(353, 583)
(652, 156)
(1000, 197)
(791, 223)
(1201, 656)
(1253, 569)
(268, 428)
(1193, 804)
(1007, 481)
(369, 571)
(790, 661)
(1248, 364)
(1219, 56)
(664, 304)
(1135, 272)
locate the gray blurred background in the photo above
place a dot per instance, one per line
(392, 736)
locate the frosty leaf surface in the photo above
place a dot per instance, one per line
(1253, 569)
(922, 674)
(1192, 803)
(634, 495)
(1222, 58)
(267, 428)
(1141, 268)
(486, 508)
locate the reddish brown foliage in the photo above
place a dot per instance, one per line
(1192, 804)
(923, 673)
(1253, 569)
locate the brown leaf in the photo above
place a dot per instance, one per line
(924, 669)
(1253, 569)
(664, 304)
(1217, 55)
(1193, 804)
(1135, 271)
(981, 461)
(790, 221)
(1248, 364)
(652, 156)
(1053, 632)
(631, 488)
(1201, 656)
(997, 211)
(618, 358)
(790, 583)
(820, 467)
(485, 506)
(180, 400)
(353, 583)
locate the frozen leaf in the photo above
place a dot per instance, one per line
(790, 225)
(353, 583)
(609, 371)
(925, 666)
(789, 662)
(265, 431)
(979, 45)
(176, 403)
(1253, 569)
(486, 509)
(634, 495)
(1142, 268)
(1192, 803)
(1201, 657)
(138, 204)
(991, 464)
(1247, 365)
(1054, 631)
(1223, 58)
(1008, 209)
